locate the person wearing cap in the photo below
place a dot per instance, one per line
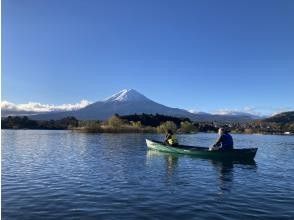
(225, 140)
(170, 138)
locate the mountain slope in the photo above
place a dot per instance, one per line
(285, 117)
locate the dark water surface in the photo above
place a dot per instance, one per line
(68, 175)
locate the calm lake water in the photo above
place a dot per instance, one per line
(68, 175)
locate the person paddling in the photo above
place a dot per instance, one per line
(170, 138)
(225, 140)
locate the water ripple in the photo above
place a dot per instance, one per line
(68, 175)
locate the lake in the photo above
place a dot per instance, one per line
(70, 175)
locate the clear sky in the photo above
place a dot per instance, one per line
(199, 54)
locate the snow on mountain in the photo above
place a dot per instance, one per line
(126, 95)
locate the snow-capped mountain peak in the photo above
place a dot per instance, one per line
(126, 95)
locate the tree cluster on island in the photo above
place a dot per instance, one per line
(144, 123)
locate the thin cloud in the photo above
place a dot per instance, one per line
(244, 111)
(257, 111)
(248, 110)
(225, 111)
(40, 108)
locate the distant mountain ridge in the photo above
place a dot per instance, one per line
(284, 117)
(130, 101)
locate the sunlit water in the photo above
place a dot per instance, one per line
(68, 175)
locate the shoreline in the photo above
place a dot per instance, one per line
(141, 132)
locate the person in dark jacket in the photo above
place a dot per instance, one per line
(225, 140)
(170, 138)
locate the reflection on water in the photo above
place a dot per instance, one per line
(225, 174)
(224, 168)
(170, 160)
(171, 164)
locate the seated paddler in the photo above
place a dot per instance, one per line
(224, 141)
(170, 138)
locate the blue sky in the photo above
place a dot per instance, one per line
(203, 55)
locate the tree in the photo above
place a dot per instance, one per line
(115, 122)
(136, 124)
(164, 127)
(187, 127)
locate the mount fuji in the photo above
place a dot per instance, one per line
(125, 102)
(129, 101)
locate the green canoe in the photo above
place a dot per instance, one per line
(235, 154)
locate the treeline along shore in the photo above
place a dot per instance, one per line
(148, 123)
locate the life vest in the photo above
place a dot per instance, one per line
(172, 140)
